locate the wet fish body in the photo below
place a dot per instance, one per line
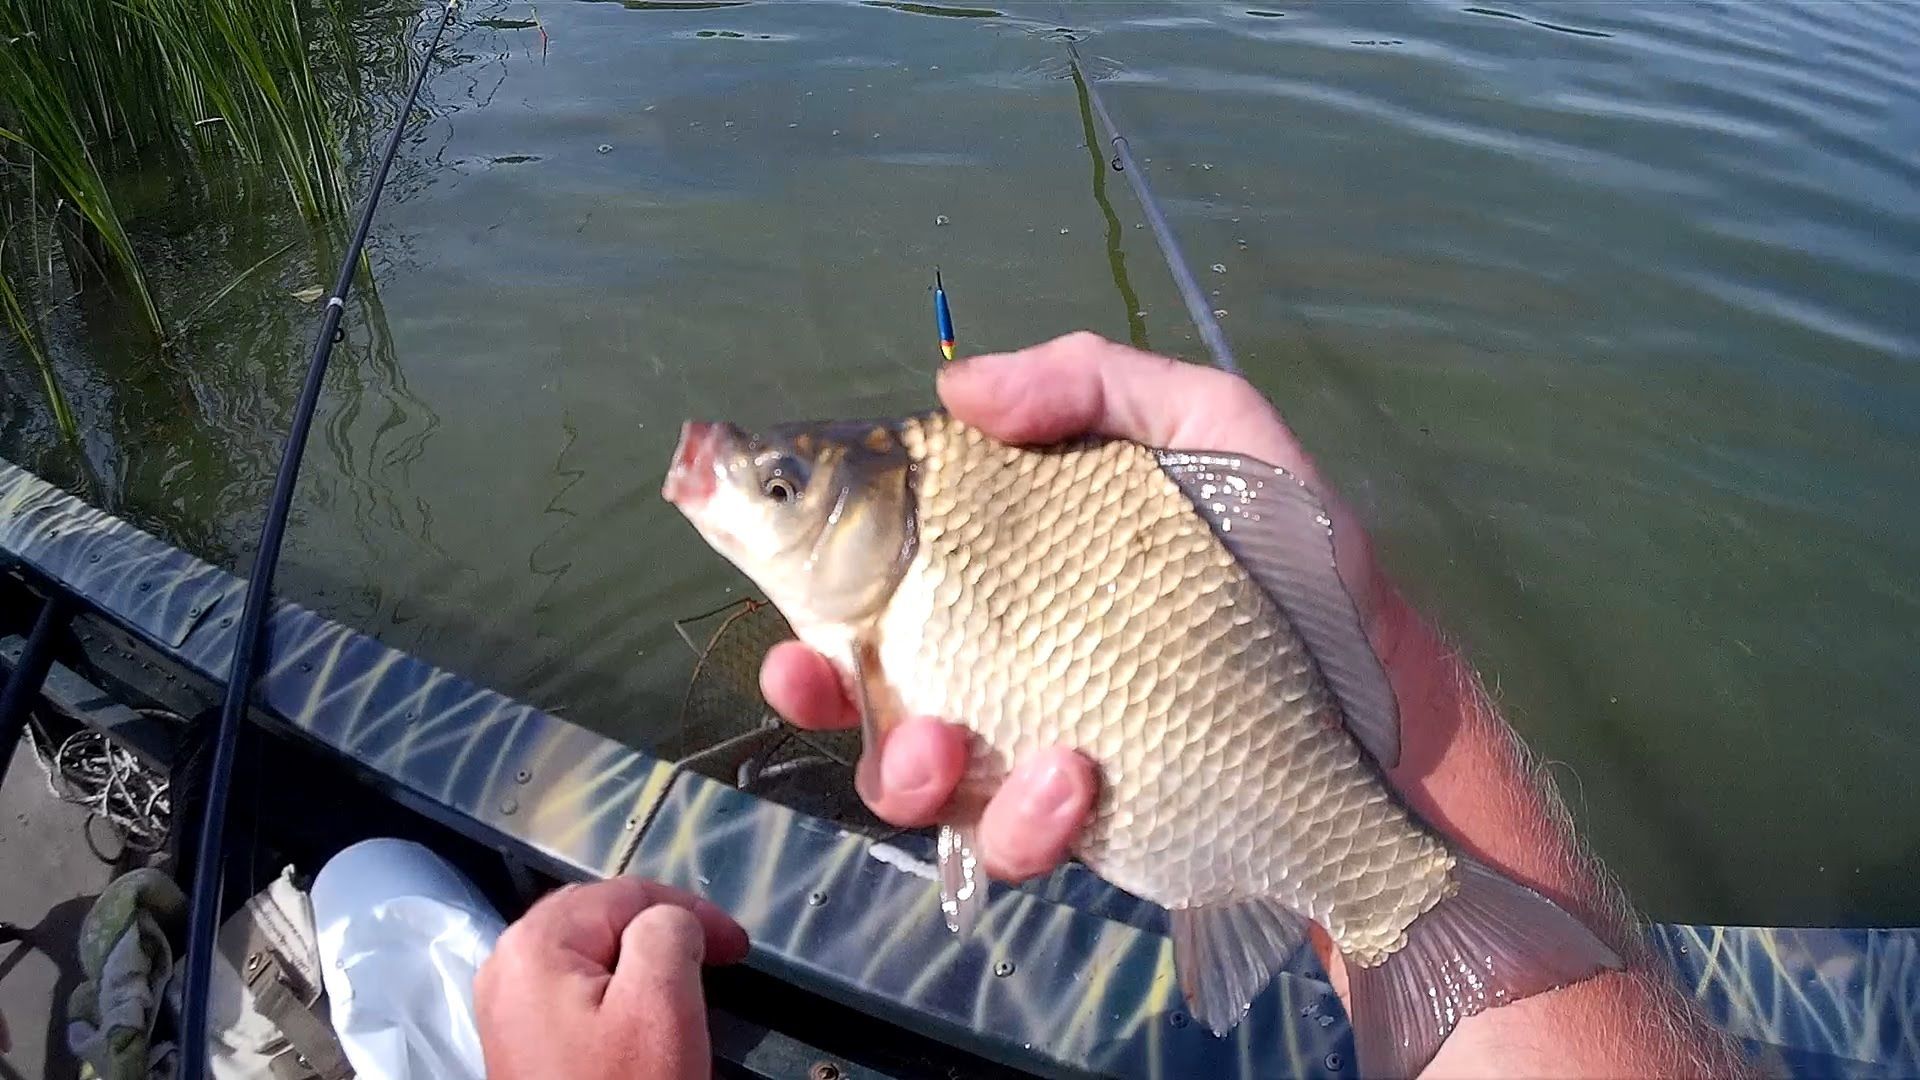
(1176, 616)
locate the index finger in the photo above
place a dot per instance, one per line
(802, 686)
(578, 927)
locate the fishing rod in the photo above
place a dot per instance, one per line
(1123, 162)
(210, 860)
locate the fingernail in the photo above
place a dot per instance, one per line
(977, 370)
(1050, 792)
(952, 373)
(905, 774)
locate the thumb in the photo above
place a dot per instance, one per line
(1073, 385)
(656, 993)
(1083, 384)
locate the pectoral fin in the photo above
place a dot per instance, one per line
(963, 885)
(963, 888)
(1279, 531)
(867, 696)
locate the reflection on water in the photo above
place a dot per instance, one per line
(679, 5)
(1535, 22)
(937, 9)
(1601, 317)
(1116, 253)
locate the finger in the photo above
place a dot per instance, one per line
(656, 990)
(921, 763)
(1084, 384)
(803, 687)
(577, 928)
(1031, 821)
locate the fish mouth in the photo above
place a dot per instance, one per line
(696, 464)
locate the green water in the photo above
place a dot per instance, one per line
(1603, 316)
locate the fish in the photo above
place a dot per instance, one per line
(1176, 616)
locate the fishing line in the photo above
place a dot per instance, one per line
(210, 855)
(1123, 162)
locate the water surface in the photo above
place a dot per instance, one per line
(1602, 315)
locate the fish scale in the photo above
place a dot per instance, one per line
(1006, 536)
(1178, 617)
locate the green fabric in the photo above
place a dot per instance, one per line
(126, 952)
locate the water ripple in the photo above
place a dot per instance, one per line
(1542, 24)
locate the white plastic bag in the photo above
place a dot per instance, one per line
(402, 935)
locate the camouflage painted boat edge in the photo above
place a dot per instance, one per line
(861, 920)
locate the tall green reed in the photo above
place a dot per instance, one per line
(23, 326)
(232, 100)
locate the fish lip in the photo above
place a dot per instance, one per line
(696, 464)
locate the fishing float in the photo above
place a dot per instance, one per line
(942, 316)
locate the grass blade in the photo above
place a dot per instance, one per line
(23, 327)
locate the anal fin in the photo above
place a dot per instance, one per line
(963, 888)
(1224, 955)
(1492, 942)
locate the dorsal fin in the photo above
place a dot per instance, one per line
(1281, 533)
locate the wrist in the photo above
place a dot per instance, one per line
(1465, 770)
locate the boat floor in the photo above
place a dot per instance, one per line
(48, 881)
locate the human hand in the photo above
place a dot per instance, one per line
(1075, 385)
(603, 980)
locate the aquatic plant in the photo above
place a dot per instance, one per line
(230, 101)
(23, 327)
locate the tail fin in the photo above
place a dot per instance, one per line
(1492, 942)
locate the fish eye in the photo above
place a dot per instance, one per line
(782, 477)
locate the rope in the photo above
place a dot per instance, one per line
(89, 769)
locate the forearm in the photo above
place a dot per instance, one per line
(1464, 770)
